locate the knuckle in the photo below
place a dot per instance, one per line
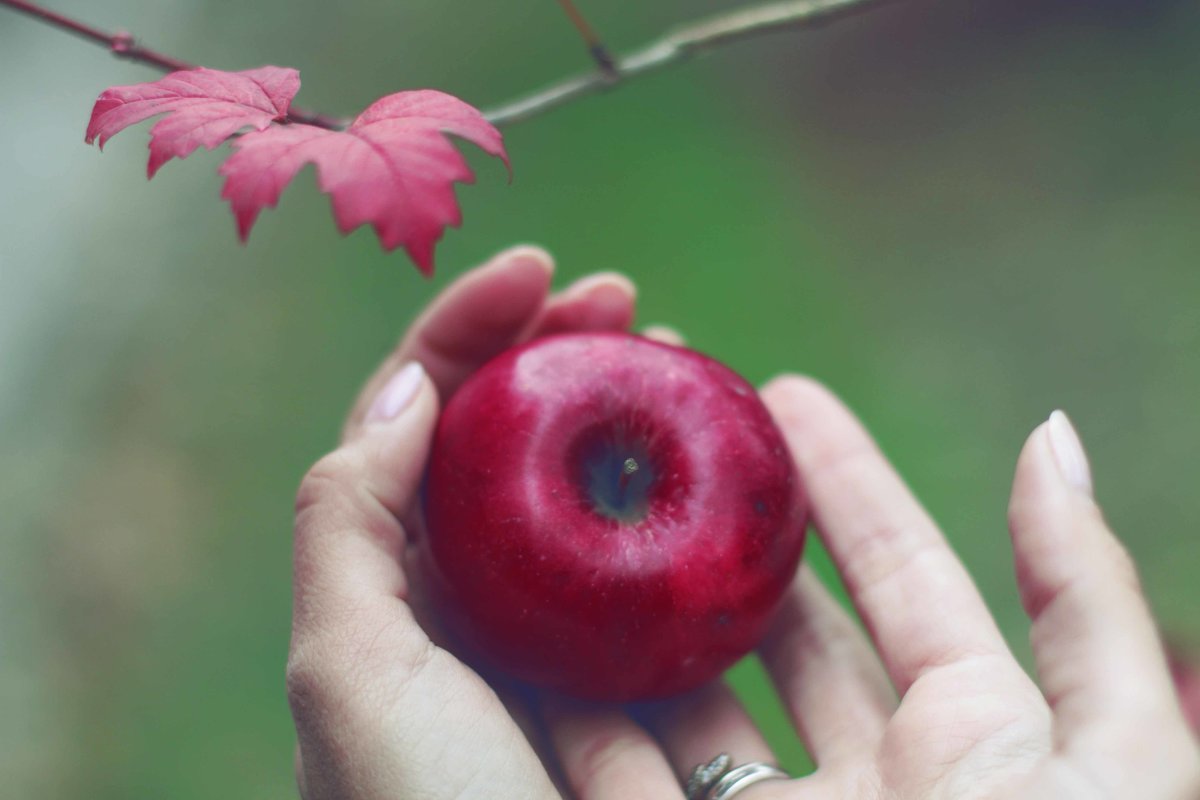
(329, 477)
(308, 682)
(892, 551)
(605, 755)
(320, 678)
(1113, 554)
(1124, 568)
(355, 662)
(1018, 514)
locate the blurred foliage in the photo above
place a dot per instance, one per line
(959, 215)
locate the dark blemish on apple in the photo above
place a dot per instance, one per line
(760, 508)
(724, 619)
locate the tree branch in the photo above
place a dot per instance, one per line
(123, 45)
(676, 47)
(679, 46)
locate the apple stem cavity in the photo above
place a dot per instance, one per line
(618, 480)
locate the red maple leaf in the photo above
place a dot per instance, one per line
(206, 107)
(393, 167)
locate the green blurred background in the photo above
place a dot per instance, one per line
(960, 215)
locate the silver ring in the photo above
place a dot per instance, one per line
(720, 780)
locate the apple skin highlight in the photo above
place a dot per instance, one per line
(610, 517)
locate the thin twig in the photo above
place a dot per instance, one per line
(123, 45)
(679, 46)
(595, 45)
(674, 48)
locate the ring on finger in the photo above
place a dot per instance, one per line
(720, 780)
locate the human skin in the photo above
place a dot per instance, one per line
(927, 703)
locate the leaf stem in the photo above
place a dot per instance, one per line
(123, 45)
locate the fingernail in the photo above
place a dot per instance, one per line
(521, 255)
(613, 284)
(397, 394)
(663, 333)
(1068, 452)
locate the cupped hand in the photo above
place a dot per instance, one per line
(927, 703)
(380, 710)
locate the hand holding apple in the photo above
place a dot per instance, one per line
(382, 711)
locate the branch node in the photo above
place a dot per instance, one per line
(122, 44)
(673, 48)
(606, 62)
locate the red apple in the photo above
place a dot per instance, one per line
(609, 516)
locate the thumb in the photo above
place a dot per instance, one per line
(392, 446)
(348, 536)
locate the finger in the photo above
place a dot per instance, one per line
(521, 703)
(374, 700)
(475, 318)
(600, 302)
(605, 755)
(348, 538)
(1099, 658)
(826, 673)
(664, 334)
(700, 725)
(914, 595)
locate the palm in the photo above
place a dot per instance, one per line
(962, 731)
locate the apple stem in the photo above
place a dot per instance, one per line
(627, 469)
